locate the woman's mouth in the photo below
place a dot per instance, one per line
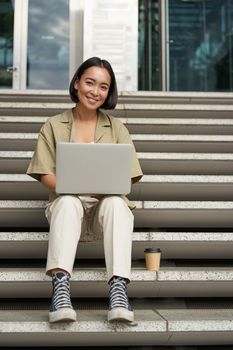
(92, 100)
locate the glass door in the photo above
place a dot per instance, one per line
(13, 31)
(148, 45)
(201, 45)
(6, 43)
(48, 44)
(40, 43)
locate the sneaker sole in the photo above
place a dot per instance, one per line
(62, 315)
(120, 314)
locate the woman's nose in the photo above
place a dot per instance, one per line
(95, 90)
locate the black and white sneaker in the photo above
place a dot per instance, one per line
(119, 307)
(61, 308)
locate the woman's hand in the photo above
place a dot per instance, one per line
(98, 196)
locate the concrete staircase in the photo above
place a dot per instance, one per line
(184, 205)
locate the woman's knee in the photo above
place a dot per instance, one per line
(114, 210)
(69, 201)
(113, 201)
(116, 203)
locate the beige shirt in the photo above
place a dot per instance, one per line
(61, 128)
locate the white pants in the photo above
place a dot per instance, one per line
(110, 217)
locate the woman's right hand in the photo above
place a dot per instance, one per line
(49, 181)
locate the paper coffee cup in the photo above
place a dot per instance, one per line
(152, 258)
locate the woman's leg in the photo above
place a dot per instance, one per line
(116, 221)
(65, 217)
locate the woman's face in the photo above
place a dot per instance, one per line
(93, 87)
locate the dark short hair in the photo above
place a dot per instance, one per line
(111, 100)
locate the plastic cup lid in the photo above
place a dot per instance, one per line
(152, 250)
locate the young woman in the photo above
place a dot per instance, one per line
(92, 87)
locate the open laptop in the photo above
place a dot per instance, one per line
(98, 168)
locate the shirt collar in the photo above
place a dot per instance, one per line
(67, 117)
(103, 123)
(102, 126)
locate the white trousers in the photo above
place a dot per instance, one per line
(110, 217)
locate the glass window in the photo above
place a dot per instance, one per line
(148, 45)
(6, 42)
(48, 44)
(200, 45)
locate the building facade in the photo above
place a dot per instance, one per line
(159, 45)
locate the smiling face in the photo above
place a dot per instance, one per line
(93, 87)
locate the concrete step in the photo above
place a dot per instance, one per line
(172, 281)
(16, 162)
(34, 108)
(189, 97)
(161, 187)
(9, 95)
(179, 110)
(186, 163)
(139, 125)
(21, 123)
(174, 245)
(151, 327)
(18, 141)
(183, 143)
(154, 108)
(164, 214)
(183, 187)
(91, 329)
(182, 126)
(143, 142)
(21, 186)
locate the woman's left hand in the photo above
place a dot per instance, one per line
(98, 196)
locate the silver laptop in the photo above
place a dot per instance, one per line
(98, 168)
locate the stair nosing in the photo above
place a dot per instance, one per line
(142, 155)
(207, 179)
(176, 205)
(135, 137)
(138, 236)
(93, 274)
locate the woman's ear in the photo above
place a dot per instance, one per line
(76, 83)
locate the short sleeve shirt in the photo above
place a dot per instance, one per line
(61, 128)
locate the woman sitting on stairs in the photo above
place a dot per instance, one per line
(109, 217)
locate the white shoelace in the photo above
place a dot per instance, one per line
(61, 296)
(117, 294)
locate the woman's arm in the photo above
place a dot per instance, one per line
(43, 161)
(49, 181)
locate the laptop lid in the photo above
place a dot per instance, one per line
(98, 168)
